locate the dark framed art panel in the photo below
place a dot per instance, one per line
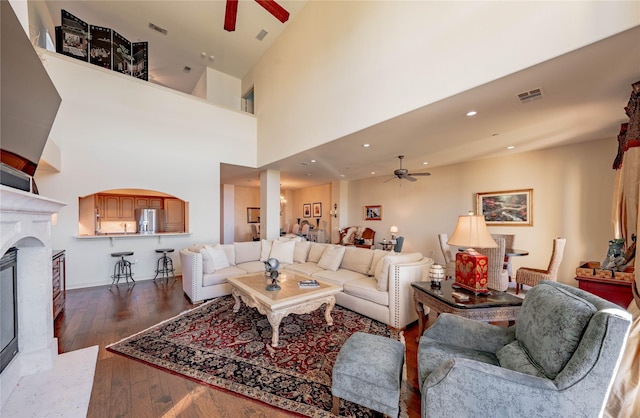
(317, 210)
(506, 208)
(306, 210)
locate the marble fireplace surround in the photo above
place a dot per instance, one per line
(25, 223)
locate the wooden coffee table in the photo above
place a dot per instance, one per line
(251, 289)
(495, 306)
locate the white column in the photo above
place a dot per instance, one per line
(270, 204)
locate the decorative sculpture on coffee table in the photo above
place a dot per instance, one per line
(271, 270)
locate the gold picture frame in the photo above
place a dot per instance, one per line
(506, 208)
(373, 213)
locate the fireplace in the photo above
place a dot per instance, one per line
(25, 224)
(8, 307)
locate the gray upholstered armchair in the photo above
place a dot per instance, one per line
(558, 360)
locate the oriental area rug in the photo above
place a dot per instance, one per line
(212, 345)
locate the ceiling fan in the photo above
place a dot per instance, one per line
(403, 173)
(231, 12)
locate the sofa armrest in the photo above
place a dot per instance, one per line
(191, 273)
(401, 306)
(465, 332)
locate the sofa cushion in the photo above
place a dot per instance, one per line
(513, 357)
(378, 269)
(339, 277)
(365, 288)
(256, 266)
(283, 251)
(266, 250)
(383, 278)
(220, 276)
(229, 250)
(316, 251)
(213, 258)
(377, 256)
(306, 269)
(550, 326)
(301, 251)
(247, 251)
(357, 259)
(332, 257)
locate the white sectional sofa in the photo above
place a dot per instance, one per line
(375, 283)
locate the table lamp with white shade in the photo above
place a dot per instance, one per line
(471, 266)
(394, 233)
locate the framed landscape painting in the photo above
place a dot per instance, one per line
(507, 208)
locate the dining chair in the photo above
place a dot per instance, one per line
(508, 243)
(531, 276)
(304, 232)
(449, 259)
(255, 234)
(286, 229)
(295, 229)
(497, 275)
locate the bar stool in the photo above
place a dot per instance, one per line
(122, 269)
(164, 268)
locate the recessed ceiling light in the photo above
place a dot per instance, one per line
(366, 145)
(373, 172)
(308, 174)
(510, 147)
(203, 54)
(313, 161)
(186, 69)
(425, 162)
(341, 175)
(472, 113)
(211, 58)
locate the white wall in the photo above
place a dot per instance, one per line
(572, 192)
(367, 61)
(114, 132)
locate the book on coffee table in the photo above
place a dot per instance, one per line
(308, 283)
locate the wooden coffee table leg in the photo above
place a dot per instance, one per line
(236, 297)
(327, 311)
(274, 320)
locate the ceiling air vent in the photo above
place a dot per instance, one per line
(158, 29)
(529, 96)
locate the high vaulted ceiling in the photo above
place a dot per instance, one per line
(583, 93)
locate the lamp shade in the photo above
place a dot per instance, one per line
(471, 231)
(393, 229)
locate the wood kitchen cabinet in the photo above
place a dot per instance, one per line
(58, 281)
(117, 207)
(174, 215)
(149, 202)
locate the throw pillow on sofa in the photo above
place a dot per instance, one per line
(283, 251)
(230, 251)
(301, 251)
(266, 250)
(316, 251)
(213, 258)
(332, 257)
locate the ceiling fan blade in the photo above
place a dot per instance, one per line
(230, 15)
(407, 177)
(275, 9)
(389, 179)
(419, 174)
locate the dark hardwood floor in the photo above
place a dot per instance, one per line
(127, 388)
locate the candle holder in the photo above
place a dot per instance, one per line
(436, 274)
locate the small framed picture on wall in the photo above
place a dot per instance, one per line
(373, 213)
(306, 210)
(317, 210)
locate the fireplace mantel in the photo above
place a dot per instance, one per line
(25, 223)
